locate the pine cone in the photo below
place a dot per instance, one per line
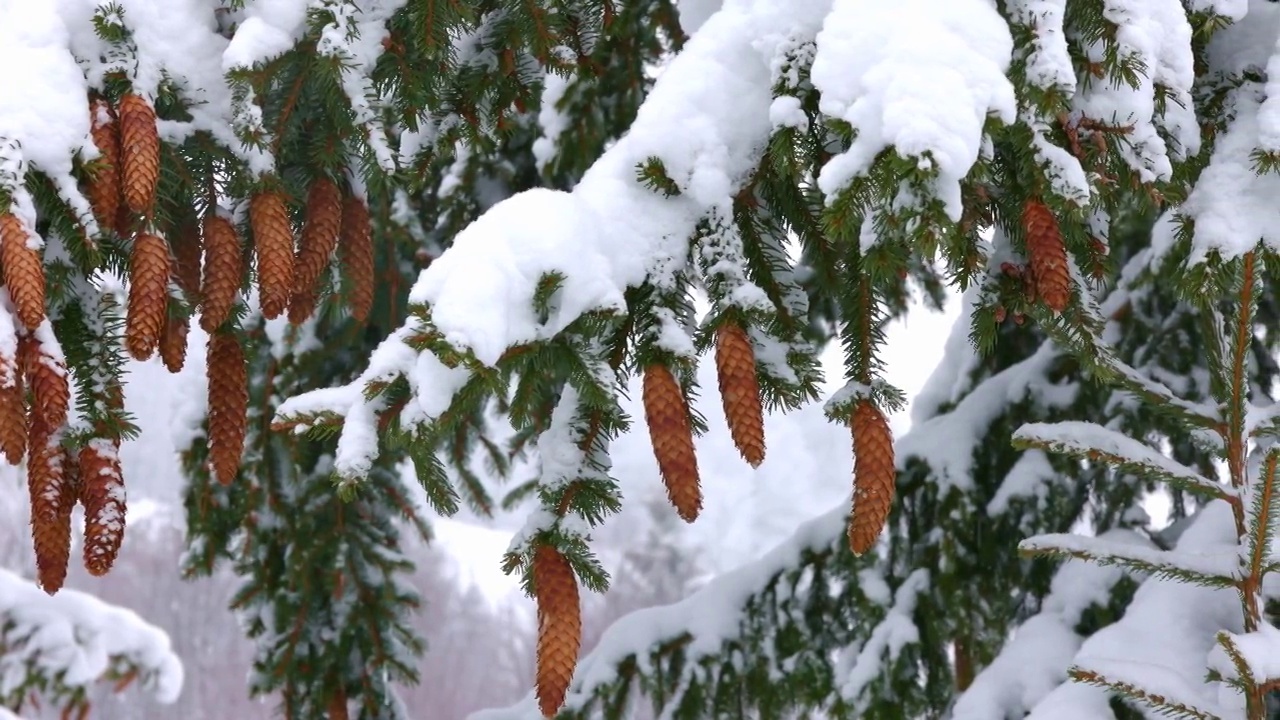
(173, 344)
(188, 249)
(228, 405)
(13, 416)
(46, 374)
(223, 266)
(102, 493)
(559, 627)
(273, 242)
(319, 238)
(139, 153)
(875, 476)
(672, 439)
(338, 705)
(740, 391)
(104, 173)
(148, 295)
(52, 499)
(355, 256)
(23, 271)
(1048, 255)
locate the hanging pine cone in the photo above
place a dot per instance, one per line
(52, 500)
(139, 153)
(273, 243)
(188, 249)
(559, 627)
(148, 295)
(23, 271)
(875, 476)
(223, 266)
(355, 256)
(13, 416)
(173, 344)
(319, 238)
(1048, 255)
(740, 391)
(46, 375)
(672, 439)
(104, 173)
(102, 493)
(338, 705)
(228, 405)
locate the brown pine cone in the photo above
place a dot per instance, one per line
(273, 242)
(46, 375)
(228, 405)
(338, 705)
(740, 391)
(13, 415)
(355, 256)
(223, 266)
(319, 238)
(1048, 255)
(102, 493)
(559, 627)
(672, 438)
(23, 271)
(52, 499)
(139, 154)
(148, 295)
(104, 173)
(173, 343)
(875, 476)
(188, 249)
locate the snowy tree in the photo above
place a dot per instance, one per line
(1096, 176)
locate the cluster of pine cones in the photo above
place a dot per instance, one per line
(671, 435)
(206, 262)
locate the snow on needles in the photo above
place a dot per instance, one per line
(922, 76)
(75, 637)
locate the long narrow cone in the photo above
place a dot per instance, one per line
(47, 376)
(52, 499)
(139, 153)
(13, 415)
(740, 391)
(355, 257)
(672, 438)
(875, 476)
(148, 295)
(228, 405)
(102, 493)
(559, 627)
(23, 271)
(315, 247)
(223, 267)
(104, 172)
(273, 244)
(1048, 255)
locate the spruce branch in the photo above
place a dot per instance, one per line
(1130, 691)
(1209, 570)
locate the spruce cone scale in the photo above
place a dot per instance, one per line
(1048, 255)
(559, 627)
(23, 271)
(102, 493)
(148, 295)
(315, 248)
(273, 243)
(228, 405)
(52, 499)
(355, 256)
(671, 435)
(139, 153)
(223, 266)
(104, 173)
(47, 375)
(875, 476)
(740, 391)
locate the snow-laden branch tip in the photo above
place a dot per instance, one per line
(1218, 568)
(1095, 442)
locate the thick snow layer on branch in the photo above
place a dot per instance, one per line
(75, 636)
(1260, 651)
(922, 76)
(269, 28)
(1036, 659)
(1162, 643)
